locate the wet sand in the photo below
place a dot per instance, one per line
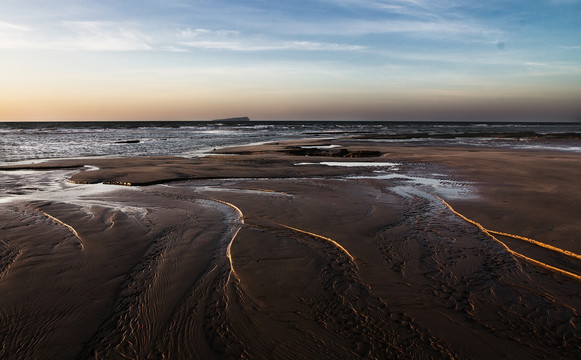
(246, 255)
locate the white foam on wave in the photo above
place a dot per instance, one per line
(566, 148)
(351, 164)
(320, 147)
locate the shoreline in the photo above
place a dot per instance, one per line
(324, 265)
(486, 167)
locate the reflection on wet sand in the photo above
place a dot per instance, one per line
(335, 263)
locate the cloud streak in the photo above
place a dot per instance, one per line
(75, 35)
(103, 36)
(6, 26)
(253, 30)
(115, 36)
(261, 46)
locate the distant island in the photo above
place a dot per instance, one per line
(234, 119)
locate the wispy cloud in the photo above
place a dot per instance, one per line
(458, 31)
(235, 40)
(103, 36)
(14, 36)
(194, 33)
(449, 20)
(412, 8)
(259, 28)
(260, 46)
(125, 36)
(564, 2)
(75, 35)
(6, 26)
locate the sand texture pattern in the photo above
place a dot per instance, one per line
(248, 255)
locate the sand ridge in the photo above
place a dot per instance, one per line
(246, 255)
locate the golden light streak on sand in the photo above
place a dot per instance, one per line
(320, 237)
(118, 183)
(240, 214)
(524, 257)
(229, 248)
(77, 182)
(538, 243)
(72, 229)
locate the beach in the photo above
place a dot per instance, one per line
(281, 251)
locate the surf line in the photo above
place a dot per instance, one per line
(72, 229)
(320, 237)
(524, 257)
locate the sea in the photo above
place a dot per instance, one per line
(22, 142)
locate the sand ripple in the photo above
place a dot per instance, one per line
(184, 272)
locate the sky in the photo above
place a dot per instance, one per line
(396, 60)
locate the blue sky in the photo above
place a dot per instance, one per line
(336, 60)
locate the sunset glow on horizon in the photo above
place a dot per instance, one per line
(301, 60)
